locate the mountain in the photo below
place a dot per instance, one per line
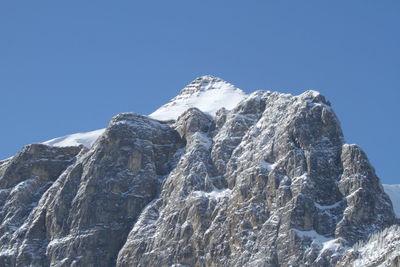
(393, 191)
(207, 93)
(266, 179)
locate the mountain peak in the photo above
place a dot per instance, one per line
(207, 77)
(205, 83)
(207, 93)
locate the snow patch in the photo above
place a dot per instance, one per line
(328, 207)
(312, 235)
(87, 139)
(267, 165)
(216, 194)
(325, 243)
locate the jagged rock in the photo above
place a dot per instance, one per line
(193, 121)
(269, 182)
(84, 217)
(23, 181)
(368, 208)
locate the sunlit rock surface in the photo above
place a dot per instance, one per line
(267, 181)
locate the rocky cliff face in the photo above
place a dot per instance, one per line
(270, 182)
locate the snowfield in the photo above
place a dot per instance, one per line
(87, 139)
(207, 93)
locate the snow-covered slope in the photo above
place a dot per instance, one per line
(87, 139)
(381, 249)
(393, 190)
(207, 93)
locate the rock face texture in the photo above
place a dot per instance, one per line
(270, 182)
(381, 249)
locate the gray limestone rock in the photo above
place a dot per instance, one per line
(23, 181)
(268, 183)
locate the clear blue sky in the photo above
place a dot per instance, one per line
(69, 66)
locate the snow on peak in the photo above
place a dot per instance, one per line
(204, 83)
(207, 93)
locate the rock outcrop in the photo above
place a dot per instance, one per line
(270, 182)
